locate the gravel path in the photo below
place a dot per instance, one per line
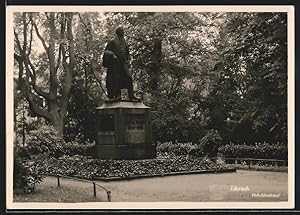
(239, 186)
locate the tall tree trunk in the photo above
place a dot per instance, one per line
(58, 122)
(68, 69)
(155, 67)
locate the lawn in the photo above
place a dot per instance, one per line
(191, 188)
(69, 191)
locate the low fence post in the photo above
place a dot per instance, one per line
(109, 196)
(94, 185)
(248, 163)
(58, 181)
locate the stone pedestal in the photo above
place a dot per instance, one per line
(124, 131)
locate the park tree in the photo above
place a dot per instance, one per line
(193, 69)
(253, 74)
(46, 74)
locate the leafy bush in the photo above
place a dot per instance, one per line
(178, 149)
(210, 143)
(76, 148)
(22, 152)
(45, 141)
(258, 150)
(25, 177)
(208, 146)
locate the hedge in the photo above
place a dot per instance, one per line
(86, 149)
(177, 148)
(207, 146)
(258, 150)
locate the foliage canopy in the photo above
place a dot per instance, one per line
(195, 70)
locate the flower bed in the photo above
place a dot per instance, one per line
(84, 167)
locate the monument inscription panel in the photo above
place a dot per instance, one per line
(136, 122)
(135, 131)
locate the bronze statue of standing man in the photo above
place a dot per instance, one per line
(116, 60)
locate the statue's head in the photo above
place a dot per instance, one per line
(120, 31)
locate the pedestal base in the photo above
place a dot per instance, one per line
(124, 131)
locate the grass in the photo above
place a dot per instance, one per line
(67, 192)
(190, 188)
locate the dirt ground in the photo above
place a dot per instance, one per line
(240, 186)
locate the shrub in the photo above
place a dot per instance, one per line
(210, 143)
(258, 150)
(178, 149)
(163, 147)
(76, 148)
(25, 177)
(22, 152)
(45, 141)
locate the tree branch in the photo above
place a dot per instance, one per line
(24, 32)
(81, 20)
(18, 58)
(88, 31)
(18, 41)
(30, 41)
(52, 64)
(47, 16)
(21, 70)
(40, 36)
(90, 65)
(28, 95)
(59, 56)
(37, 89)
(68, 68)
(38, 111)
(62, 33)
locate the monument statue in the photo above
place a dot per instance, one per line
(116, 60)
(124, 129)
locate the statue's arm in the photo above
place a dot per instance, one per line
(109, 56)
(109, 46)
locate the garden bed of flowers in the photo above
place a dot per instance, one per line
(88, 168)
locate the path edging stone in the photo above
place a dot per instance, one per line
(227, 170)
